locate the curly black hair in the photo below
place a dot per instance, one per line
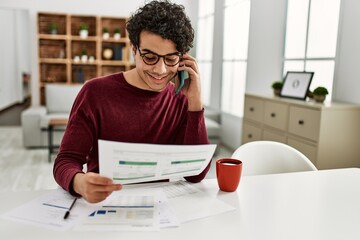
(165, 19)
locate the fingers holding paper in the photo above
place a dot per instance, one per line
(94, 187)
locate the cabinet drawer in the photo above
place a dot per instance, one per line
(275, 115)
(277, 136)
(309, 150)
(253, 109)
(304, 122)
(250, 133)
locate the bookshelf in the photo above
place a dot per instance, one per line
(61, 48)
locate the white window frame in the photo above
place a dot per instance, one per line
(204, 48)
(306, 63)
(234, 67)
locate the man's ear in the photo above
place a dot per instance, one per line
(133, 49)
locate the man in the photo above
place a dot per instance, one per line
(139, 105)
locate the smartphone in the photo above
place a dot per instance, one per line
(181, 76)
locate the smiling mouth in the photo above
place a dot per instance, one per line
(157, 79)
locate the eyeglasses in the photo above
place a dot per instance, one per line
(151, 58)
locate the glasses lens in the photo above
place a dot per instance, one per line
(150, 58)
(172, 60)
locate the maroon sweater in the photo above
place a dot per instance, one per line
(109, 108)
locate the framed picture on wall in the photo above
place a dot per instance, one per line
(296, 84)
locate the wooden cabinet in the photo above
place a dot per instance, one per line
(61, 48)
(328, 134)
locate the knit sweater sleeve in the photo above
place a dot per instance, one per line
(77, 142)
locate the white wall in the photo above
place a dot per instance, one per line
(23, 47)
(7, 63)
(14, 58)
(266, 43)
(347, 82)
(114, 8)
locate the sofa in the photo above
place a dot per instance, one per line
(59, 100)
(34, 120)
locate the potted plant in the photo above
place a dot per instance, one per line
(84, 56)
(83, 30)
(53, 27)
(76, 58)
(319, 94)
(91, 59)
(106, 33)
(277, 87)
(117, 33)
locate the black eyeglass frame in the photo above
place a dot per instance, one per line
(142, 55)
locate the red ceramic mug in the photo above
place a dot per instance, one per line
(228, 173)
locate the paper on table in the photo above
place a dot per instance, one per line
(167, 216)
(133, 163)
(190, 203)
(185, 202)
(196, 206)
(126, 210)
(48, 211)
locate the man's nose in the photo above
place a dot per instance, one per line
(160, 66)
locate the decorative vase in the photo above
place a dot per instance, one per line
(319, 98)
(84, 58)
(80, 76)
(84, 33)
(106, 35)
(91, 59)
(118, 53)
(108, 53)
(117, 36)
(76, 59)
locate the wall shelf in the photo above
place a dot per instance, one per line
(58, 50)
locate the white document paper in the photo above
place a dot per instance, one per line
(126, 210)
(133, 163)
(48, 211)
(188, 202)
(143, 207)
(167, 216)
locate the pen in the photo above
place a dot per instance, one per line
(68, 211)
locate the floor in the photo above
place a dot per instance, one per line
(22, 169)
(28, 169)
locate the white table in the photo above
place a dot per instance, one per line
(307, 205)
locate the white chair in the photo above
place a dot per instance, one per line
(267, 157)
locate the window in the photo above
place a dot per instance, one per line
(235, 52)
(311, 39)
(204, 48)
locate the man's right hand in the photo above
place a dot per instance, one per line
(93, 187)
